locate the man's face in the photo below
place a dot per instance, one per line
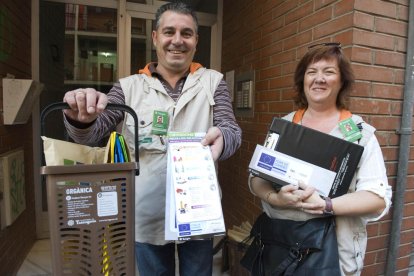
(175, 41)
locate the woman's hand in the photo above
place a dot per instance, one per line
(313, 204)
(290, 196)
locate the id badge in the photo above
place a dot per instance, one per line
(159, 123)
(350, 130)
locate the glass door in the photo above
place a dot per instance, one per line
(77, 48)
(139, 24)
(90, 47)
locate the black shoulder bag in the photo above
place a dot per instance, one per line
(287, 247)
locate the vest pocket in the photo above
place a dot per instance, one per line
(358, 241)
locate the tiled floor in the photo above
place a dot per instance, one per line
(38, 261)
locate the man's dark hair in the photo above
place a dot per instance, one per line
(178, 7)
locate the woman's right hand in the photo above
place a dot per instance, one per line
(85, 104)
(290, 196)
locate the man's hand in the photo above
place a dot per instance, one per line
(85, 104)
(214, 138)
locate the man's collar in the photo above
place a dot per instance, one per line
(151, 68)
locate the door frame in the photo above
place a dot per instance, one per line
(125, 11)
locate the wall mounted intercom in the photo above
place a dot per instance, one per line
(244, 94)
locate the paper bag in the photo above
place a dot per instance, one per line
(58, 152)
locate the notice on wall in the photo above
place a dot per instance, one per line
(12, 186)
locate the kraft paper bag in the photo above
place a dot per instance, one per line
(58, 152)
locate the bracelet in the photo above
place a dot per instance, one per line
(328, 207)
(268, 195)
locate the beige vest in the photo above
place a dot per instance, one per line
(193, 112)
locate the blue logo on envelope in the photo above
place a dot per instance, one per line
(266, 161)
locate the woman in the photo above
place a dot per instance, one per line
(323, 80)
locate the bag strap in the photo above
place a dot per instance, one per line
(289, 265)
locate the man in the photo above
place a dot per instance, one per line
(189, 98)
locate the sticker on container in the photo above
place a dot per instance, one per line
(107, 204)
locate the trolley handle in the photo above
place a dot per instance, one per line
(109, 106)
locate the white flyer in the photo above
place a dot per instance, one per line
(193, 202)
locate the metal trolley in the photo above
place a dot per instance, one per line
(91, 212)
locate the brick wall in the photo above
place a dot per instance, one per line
(269, 37)
(15, 58)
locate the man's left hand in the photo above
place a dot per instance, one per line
(214, 139)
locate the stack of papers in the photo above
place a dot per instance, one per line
(193, 202)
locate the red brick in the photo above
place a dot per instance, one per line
(377, 7)
(390, 154)
(262, 42)
(299, 12)
(370, 258)
(364, 21)
(362, 55)
(371, 73)
(373, 39)
(399, 76)
(373, 229)
(384, 227)
(370, 270)
(378, 242)
(402, 12)
(271, 26)
(385, 122)
(268, 96)
(342, 7)
(270, 50)
(286, 31)
(315, 19)
(390, 26)
(401, 44)
(283, 57)
(362, 89)
(346, 38)
(299, 39)
(401, 2)
(336, 25)
(406, 237)
(284, 8)
(403, 263)
(262, 85)
(280, 82)
(269, 73)
(387, 91)
(322, 3)
(288, 68)
(280, 106)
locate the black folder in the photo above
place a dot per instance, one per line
(320, 149)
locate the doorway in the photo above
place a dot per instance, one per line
(92, 44)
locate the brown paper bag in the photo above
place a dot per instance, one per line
(58, 152)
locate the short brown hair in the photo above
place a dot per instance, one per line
(177, 7)
(325, 52)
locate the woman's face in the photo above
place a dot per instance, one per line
(322, 82)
